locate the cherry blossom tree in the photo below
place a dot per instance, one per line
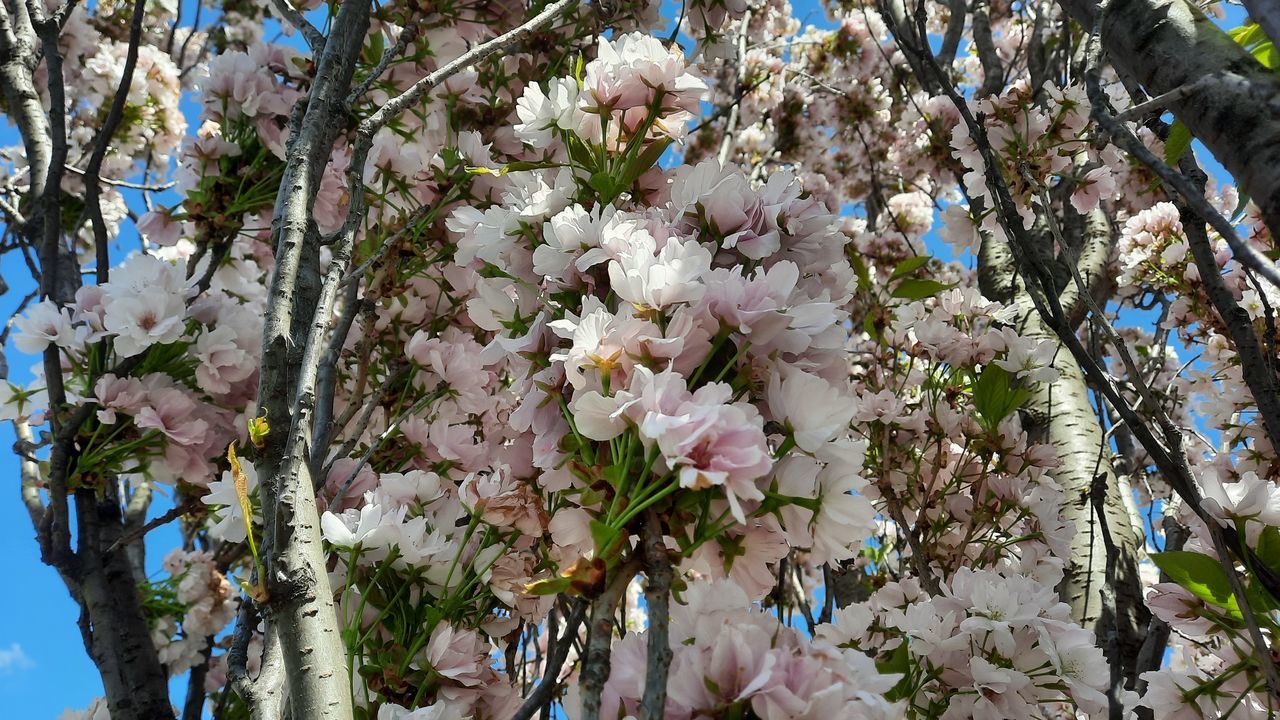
(614, 360)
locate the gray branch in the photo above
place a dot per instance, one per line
(1267, 14)
(315, 39)
(1169, 44)
(557, 653)
(657, 595)
(92, 183)
(1258, 374)
(300, 608)
(596, 659)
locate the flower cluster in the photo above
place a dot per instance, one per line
(730, 659)
(584, 341)
(207, 603)
(992, 644)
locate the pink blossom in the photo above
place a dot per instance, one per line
(712, 443)
(1097, 185)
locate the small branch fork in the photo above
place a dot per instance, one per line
(558, 653)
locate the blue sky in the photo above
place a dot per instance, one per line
(43, 665)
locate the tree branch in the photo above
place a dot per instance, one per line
(92, 188)
(595, 663)
(557, 653)
(315, 39)
(657, 595)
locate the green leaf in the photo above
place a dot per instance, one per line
(919, 288)
(528, 165)
(603, 535)
(1251, 37)
(549, 586)
(869, 325)
(1200, 575)
(579, 153)
(614, 474)
(899, 663)
(860, 268)
(1265, 53)
(910, 265)
(602, 183)
(1241, 206)
(1247, 34)
(1177, 143)
(376, 45)
(642, 162)
(995, 397)
(1268, 549)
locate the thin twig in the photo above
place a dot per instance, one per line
(556, 656)
(315, 39)
(144, 187)
(169, 516)
(408, 34)
(1162, 101)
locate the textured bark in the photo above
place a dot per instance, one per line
(100, 573)
(1064, 417)
(1169, 44)
(1267, 14)
(114, 628)
(657, 595)
(596, 664)
(847, 586)
(557, 653)
(300, 607)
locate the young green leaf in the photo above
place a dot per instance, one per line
(918, 288)
(1200, 575)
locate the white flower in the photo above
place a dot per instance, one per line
(1028, 358)
(43, 324)
(438, 711)
(1249, 498)
(541, 112)
(1097, 185)
(230, 525)
(355, 527)
(663, 278)
(18, 404)
(813, 409)
(958, 229)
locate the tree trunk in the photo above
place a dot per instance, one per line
(1061, 414)
(115, 630)
(300, 606)
(1169, 44)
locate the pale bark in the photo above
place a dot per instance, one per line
(1062, 415)
(300, 606)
